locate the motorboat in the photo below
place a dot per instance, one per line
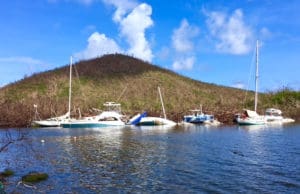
(112, 116)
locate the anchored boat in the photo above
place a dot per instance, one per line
(56, 121)
(111, 117)
(152, 121)
(274, 116)
(252, 117)
(197, 116)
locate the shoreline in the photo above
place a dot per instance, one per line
(226, 118)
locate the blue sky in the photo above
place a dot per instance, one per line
(211, 41)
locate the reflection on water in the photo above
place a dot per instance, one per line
(187, 159)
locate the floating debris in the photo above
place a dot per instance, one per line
(238, 153)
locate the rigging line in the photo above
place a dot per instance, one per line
(162, 102)
(80, 88)
(250, 76)
(122, 93)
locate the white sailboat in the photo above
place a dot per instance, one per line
(252, 117)
(56, 121)
(152, 121)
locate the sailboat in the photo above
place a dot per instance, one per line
(250, 117)
(56, 121)
(152, 121)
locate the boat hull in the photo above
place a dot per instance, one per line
(46, 123)
(248, 121)
(92, 124)
(153, 121)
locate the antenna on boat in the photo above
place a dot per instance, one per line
(256, 78)
(162, 103)
(70, 86)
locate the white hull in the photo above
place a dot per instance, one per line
(151, 121)
(273, 116)
(212, 123)
(91, 124)
(251, 121)
(45, 123)
(105, 119)
(52, 122)
(280, 121)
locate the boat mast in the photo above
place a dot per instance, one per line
(256, 78)
(162, 103)
(70, 86)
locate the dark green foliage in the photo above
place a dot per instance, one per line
(285, 96)
(34, 177)
(7, 173)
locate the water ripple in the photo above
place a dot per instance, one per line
(146, 160)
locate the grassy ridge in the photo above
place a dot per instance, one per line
(133, 83)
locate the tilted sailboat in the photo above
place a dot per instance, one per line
(252, 117)
(56, 121)
(152, 121)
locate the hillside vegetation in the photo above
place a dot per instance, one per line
(133, 83)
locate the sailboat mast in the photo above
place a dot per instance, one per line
(162, 103)
(70, 85)
(256, 78)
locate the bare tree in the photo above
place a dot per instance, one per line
(7, 138)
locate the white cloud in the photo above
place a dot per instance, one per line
(21, 60)
(122, 7)
(182, 37)
(98, 44)
(133, 29)
(185, 63)
(133, 20)
(265, 33)
(233, 35)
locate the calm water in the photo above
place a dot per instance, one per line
(193, 159)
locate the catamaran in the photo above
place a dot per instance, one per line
(249, 117)
(197, 116)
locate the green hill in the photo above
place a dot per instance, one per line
(131, 82)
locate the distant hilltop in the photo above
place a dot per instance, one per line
(133, 83)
